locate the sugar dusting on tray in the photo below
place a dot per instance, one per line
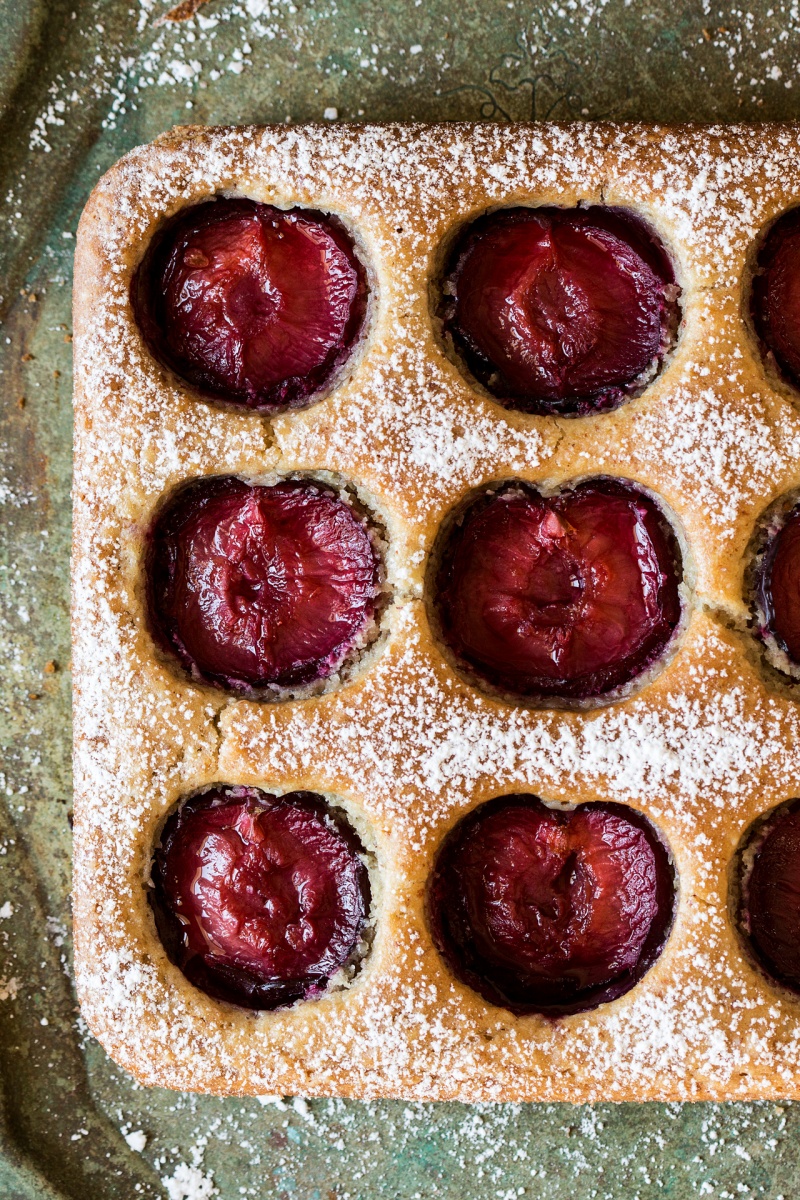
(505, 1150)
(556, 44)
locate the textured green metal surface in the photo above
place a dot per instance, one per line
(81, 81)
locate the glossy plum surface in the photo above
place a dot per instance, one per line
(561, 310)
(772, 897)
(550, 910)
(779, 587)
(775, 301)
(257, 587)
(571, 595)
(259, 899)
(251, 304)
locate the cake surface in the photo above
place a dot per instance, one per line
(703, 745)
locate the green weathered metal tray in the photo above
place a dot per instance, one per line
(80, 83)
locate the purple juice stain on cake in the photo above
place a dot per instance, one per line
(253, 305)
(549, 910)
(775, 298)
(256, 588)
(568, 596)
(770, 909)
(778, 588)
(561, 310)
(259, 899)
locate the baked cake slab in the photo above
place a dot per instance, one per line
(405, 744)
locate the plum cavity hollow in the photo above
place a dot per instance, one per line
(775, 296)
(769, 894)
(252, 305)
(262, 589)
(547, 910)
(560, 311)
(260, 900)
(564, 598)
(778, 593)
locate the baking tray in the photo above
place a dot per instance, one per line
(80, 83)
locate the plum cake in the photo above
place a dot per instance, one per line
(436, 600)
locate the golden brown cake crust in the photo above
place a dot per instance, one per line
(706, 746)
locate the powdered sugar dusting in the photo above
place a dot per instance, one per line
(189, 1183)
(429, 738)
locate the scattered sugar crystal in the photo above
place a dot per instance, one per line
(137, 1140)
(189, 1183)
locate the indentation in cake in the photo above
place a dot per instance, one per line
(768, 900)
(775, 296)
(264, 589)
(780, 587)
(772, 584)
(252, 305)
(261, 900)
(563, 311)
(570, 596)
(551, 910)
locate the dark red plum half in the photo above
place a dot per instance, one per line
(778, 588)
(559, 310)
(259, 899)
(568, 596)
(550, 910)
(252, 305)
(775, 298)
(256, 588)
(770, 896)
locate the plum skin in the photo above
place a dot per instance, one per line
(545, 910)
(560, 311)
(769, 896)
(259, 899)
(221, 303)
(512, 589)
(775, 295)
(778, 587)
(258, 588)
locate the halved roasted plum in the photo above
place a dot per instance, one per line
(551, 910)
(775, 296)
(778, 589)
(769, 908)
(260, 899)
(568, 596)
(258, 588)
(253, 305)
(564, 311)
